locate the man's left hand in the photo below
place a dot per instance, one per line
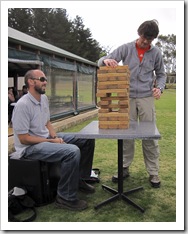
(156, 93)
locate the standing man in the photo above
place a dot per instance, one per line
(35, 138)
(143, 60)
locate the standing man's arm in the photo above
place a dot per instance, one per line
(160, 77)
(113, 58)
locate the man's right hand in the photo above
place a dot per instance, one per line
(110, 62)
(57, 140)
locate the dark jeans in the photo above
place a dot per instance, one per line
(87, 147)
(76, 161)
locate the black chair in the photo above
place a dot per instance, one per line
(39, 178)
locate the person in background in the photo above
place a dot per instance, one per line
(35, 138)
(11, 99)
(24, 90)
(16, 94)
(144, 59)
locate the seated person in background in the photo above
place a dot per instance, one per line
(35, 138)
(11, 99)
(24, 90)
(16, 94)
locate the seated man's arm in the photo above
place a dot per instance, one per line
(51, 130)
(27, 139)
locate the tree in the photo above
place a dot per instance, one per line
(167, 45)
(58, 30)
(84, 44)
(52, 25)
(40, 20)
(20, 19)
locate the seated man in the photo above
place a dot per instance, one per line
(35, 138)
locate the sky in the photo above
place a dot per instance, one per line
(113, 23)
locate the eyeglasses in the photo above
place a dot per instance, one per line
(42, 79)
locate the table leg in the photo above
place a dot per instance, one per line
(120, 166)
(113, 191)
(120, 178)
(125, 198)
(120, 194)
(115, 197)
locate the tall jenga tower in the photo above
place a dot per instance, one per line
(113, 90)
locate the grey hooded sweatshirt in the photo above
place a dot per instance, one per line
(142, 74)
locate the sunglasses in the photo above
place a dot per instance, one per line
(42, 79)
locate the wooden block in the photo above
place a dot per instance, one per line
(113, 125)
(102, 119)
(101, 126)
(113, 114)
(115, 106)
(117, 82)
(108, 75)
(117, 68)
(125, 86)
(126, 71)
(113, 78)
(114, 98)
(103, 87)
(124, 110)
(101, 94)
(104, 103)
(122, 119)
(122, 78)
(123, 102)
(104, 110)
(122, 91)
(123, 94)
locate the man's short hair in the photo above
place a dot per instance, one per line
(149, 29)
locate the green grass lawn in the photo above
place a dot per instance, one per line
(159, 204)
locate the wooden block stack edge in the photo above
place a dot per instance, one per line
(113, 91)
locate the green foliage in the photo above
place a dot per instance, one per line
(159, 204)
(53, 26)
(167, 45)
(20, 19)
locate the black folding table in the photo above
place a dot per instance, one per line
(136, 130)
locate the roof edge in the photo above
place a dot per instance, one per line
(17, 36)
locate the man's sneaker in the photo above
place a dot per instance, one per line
(154, 180)
(125, 174)
(70, 205)
(85, 188)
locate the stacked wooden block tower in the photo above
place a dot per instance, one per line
(113, 91)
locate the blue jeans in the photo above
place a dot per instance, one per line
(76, 159)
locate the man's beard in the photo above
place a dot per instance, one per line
(39, 90)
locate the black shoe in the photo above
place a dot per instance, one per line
(154, 181)
(86, 188)
(125, 174)
(70, 205)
